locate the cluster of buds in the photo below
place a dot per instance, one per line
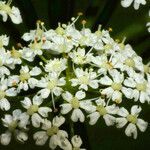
(64, 76)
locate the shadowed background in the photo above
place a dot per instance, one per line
(125, 22)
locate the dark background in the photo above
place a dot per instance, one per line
(125, 22)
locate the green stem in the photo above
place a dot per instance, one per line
(43, 58)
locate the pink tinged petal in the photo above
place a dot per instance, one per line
(21, 136)
(135, 110)
(26, 103)
(40, 137)
(131, 130)
(123, 112)
(44, 93)
(93, 118)
(105, 81)
(43, 111)
(77, 114)
(36, 120)
(109, 120)
(5, 138)
(4, 104)
(65, 108)
(142, 125)
(121, 122)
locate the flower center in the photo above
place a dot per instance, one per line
(51, 84)
(15, 53)
(116, 86)
(12, 126)
(36, 46)
(84, 79)
(2, 94)
(75, 103)
(107, 65)
(51, 131)
(102, 110)
(141, 86)
(32, 109)
(5, 8)
(132, 119)
(24, 76)
(108, 47)
(130, 62)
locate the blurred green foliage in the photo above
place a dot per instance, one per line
(125, 22)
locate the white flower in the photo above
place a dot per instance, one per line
(115, 88)
(25, 79)
(36, 47)
(5, 92)
(132, 119)
(4, 40)
(13, 123)
(75, 104)
(15, 58)
(34, 110)
(60, 44)
(51, 130)
(56, 65)
(102, 63)
(84, 79)
(75, 141)
(138, 87)
(6, 10)
(51, 84)
(106, 111)
(80, 57)
(127, 3)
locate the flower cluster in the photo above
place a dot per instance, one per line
(65, 75)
